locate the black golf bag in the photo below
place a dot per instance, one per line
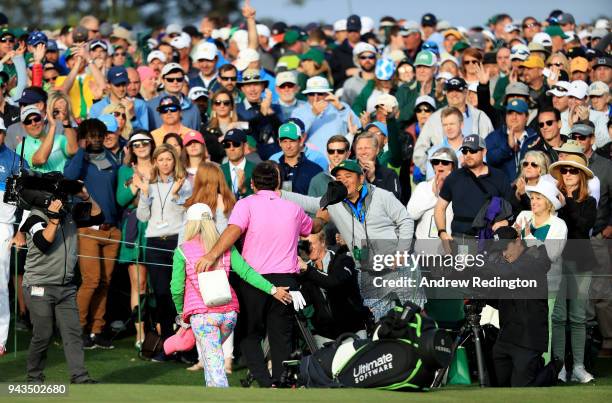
(406, 350)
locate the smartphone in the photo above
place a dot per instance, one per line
(546, 72)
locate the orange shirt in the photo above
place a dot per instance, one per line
(159, 134)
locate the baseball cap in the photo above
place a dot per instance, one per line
(29, 110)
(182, 41)
(170, 67)
(578, 89)
(196, 211)
(110, 122)
(388, 100)
(477, 40)
(362, 47)
(353, 23)
(286, 77)
(537, 47)
(205, 50)
(446, 57)
(380, 126)
(173, 29)
(384, 69)
(473, 142)
(559, 89)
(543, 39)
(263, 30)
(52, 46)
(139, 137)
(511, 28)
(313, 54)
(197, 92)
(340, 25)
(156, 54)
(410, 27)
(579, 64)
(246, 57)
(425, 58)
(32, 95)
(289, 130)
(36, 37)
(235, 135)
(169, 100)
(429, 20)
(291, 37)
(519, 52)
(460, 46)
(117, 75)
(193, 135)
(533, 62)
(98, 43)
(443, 155)
(566, 18)
(517, 105)
(603, 61)
(598, 33)
(517, 88)
(598, 88)
(455, 84)
(582, 129)
(502, 237)
(555, 30)
(454, 33)
(425, 99)
(348, 165)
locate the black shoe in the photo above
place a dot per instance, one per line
(85, 381)
(102, 342)
(88, 343)
(22, 324)
(162, 357)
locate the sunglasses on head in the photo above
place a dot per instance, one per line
(231, 144)
(166, 109)
(466, 151)
(174, 79)
(546, 123)
(332, 151)
(33, 119)
(231, 78)
(421, 110)
(119, 114)
(367, 57)
(438, 162)
(9, 39)
(141, 143)
(530, 163)
(571, 171)
(224, 103)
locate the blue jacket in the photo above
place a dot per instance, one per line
(190, 114)
(501, 156)
(101, 185)
(264, 129)
(140, 121)
(313, 156)
(300, 175)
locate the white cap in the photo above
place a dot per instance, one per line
(198, 211)
(445, 75)
(584, 34)
(241, 37)
(139, 137)
(571, 36)
(547, 189)
(317, 84)
(245, 57)
(388, 100)
(442, 25)
(425, 99)
(602, 23)
(197, 92)
(488, 34)
(156, 54)
(2, 127)
(511, 27)
(170, 67)
(578, 89)
(29, 110)
(543, 39)
(173, 29)
(182, 41)
(560, 89)
(205, 50)
(367, 25)
(363, 47)
(221, 33)
(340, 25)
(519, 52)
(286, 77)
(598, 88)
(473, 87)
(448, 57)
(263, 30)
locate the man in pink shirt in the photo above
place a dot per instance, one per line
(270, 227)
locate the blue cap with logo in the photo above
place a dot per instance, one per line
(517, 105)
(117, 75)
(110, 122)
(235, 135)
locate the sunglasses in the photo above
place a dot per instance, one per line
(119, 114)
(579, 137)
(231, 144)
(558, 64)
(120, 54)
(9, 39)
(423, 110)
(372, 57)
(438, 162)
(318, 94)
(466, 151)
(571, 171)
(546, 123)
(531, 25)
(167, 109)
(286, 85)
(141, 144)
(35, 119)
(224, 103)
(332, 151)
(232, 78)
(53, 78)
(471, 62)
(531, 164)
(174, 79)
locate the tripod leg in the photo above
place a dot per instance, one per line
(482, 374)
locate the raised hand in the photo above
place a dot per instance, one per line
(482, 73)
(248, 11)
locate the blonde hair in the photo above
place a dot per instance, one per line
(540, 158)
(55, 96)
(127, 128)
(564, 61)
(179, 170)
(205, 228)
(549, 205)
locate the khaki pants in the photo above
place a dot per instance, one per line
(96, 272)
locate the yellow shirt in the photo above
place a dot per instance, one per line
(158, 134)
(75, 95)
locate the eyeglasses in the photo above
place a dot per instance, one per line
(471, 62)
(231, 144)
(571, 171)
(9, 39)
(579, 137)
(174, 79)
(286, 85)
(438, 162)
(546, 123)
(224, 103)
(231, 78)
(339, 151)
(141, 144)
(34, 119)
(466, 151)
(530, 163)
(119, 114)
(371, 57)
(424, 110)
(167, 109)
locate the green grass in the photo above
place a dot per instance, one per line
(124, 377)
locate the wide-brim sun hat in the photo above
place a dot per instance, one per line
(571, 160)
(547, 189)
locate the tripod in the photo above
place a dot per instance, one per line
(470, 328)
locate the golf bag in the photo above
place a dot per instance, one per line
(404, 354)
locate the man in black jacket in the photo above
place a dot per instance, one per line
(329, 283)
(342, 64)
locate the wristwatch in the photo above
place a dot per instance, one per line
(440, 231)
(273, 290)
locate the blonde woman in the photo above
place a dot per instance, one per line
(533, 166)
(161, 206)
(211, 325)
(124, 119)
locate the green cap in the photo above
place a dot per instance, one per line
(460, 46)
(555, 30)
(425, 58)
(315, 55)
(289, 130)
(349, 165)
(291, 37)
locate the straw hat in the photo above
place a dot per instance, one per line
(571, 160)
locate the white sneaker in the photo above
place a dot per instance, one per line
(562, 375)
(579, 374)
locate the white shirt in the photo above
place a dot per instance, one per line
(233, 168)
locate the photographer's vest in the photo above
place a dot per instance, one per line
(56, 266)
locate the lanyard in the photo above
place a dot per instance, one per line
(163, 204)
(357, 209)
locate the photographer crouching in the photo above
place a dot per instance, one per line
(51, 237)
(330, 283)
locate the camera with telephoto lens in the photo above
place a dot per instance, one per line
(304, 249)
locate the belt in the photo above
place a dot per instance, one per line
(105, 227)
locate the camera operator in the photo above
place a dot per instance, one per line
(329, 282)
(523, 322)
(51, 236)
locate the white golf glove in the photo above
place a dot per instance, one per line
(298, 300)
